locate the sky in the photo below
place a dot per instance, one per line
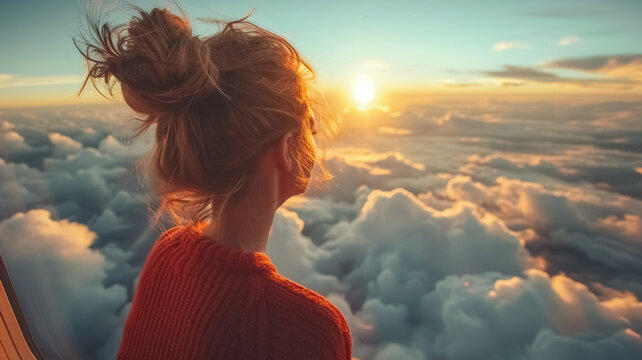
(453, 47)
(487, 192)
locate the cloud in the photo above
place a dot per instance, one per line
(621, 178)
(528, 312)
(295, 255)
(568, 40)
(553, 223)
(526, 73)
(354, 166)
(595, 63)
(62, 164)
(110, 145)
(530, 74)
(512, 84)
(623, 66)
(502, 46)
(393, 131)
(12, 141)
(458, 284)
(482, 229)
(13, 81)
(627, 225)
(614, 71)
(398, 224)
(64, 145)
(394, 351)
(52, 260)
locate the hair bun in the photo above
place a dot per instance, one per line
(161, 66)
(165, 66)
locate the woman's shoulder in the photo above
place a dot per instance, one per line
(164, 245)
(314, 307)
(314, 322)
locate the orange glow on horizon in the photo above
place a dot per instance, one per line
(343, 95)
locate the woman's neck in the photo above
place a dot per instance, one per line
(247, 231)
(246, 226)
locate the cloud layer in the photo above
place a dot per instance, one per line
(452, 230)
(611, 71)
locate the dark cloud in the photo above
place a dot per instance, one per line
(530, 74)
(619, 71)
(519, 72)
(595, 63)
(621, 178)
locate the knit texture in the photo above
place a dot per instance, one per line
(199, 299)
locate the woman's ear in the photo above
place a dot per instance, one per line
(283, 151)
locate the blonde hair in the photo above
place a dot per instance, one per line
(217, 103)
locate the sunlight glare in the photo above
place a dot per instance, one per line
(363, 91)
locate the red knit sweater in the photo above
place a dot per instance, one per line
(198, 299)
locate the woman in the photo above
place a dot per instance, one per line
(233, 122)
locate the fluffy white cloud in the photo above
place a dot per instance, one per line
(295, 255)
(568, 40)
(555, 218)
(458, 284)
(111, 146)
(505, 45)
(12, 141)
(64, 145)
(52, 260)
(486, 316)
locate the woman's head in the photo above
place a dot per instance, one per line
(218, 103)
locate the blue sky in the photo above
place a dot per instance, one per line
(414, 43)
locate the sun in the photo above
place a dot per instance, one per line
(363, 91)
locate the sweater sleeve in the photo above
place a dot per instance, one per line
(340, 340)
(304, 317)
(347, 338)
